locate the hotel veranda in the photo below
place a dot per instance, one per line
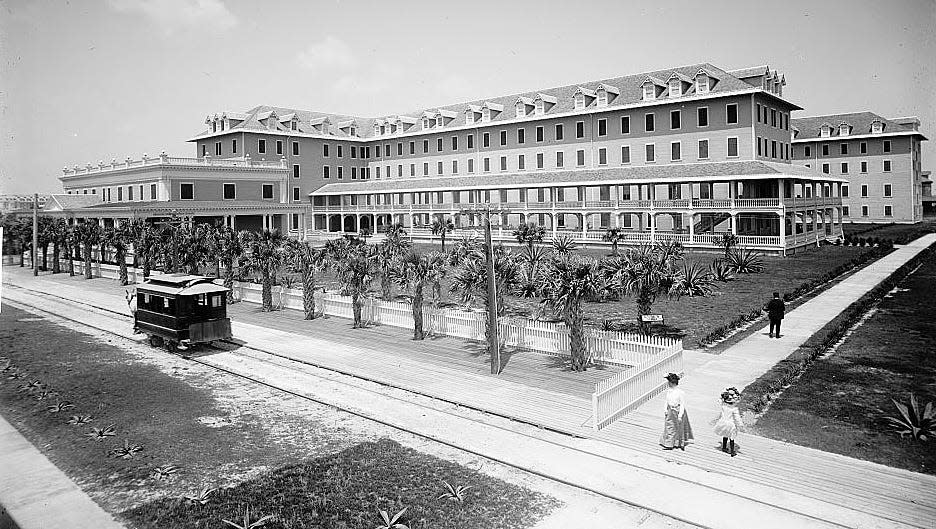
(684, 154)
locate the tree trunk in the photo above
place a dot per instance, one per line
(267, 282)
(229, 280)
(418, 312)
(122, 266)
(643, 307)
(308, 291)
(87, 261)
(356, 308)
(573, 320)
(386, 286)
(56, 263)
(70, 252)
(443, 240)
(614, 248)
(146, 265)
(45, 257)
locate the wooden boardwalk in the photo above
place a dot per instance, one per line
(540, 390)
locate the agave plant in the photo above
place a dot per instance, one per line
(8, 366)
(100, 434)
(80, 419)
(564, 244)
(201, 497)
(29, 387)
(721, 271)
(45, 394)
(15, 375)
(127, 450)
(745, 261)
(392, 523)
(247, 523)
(165, 471)
(456, 494)
(61, 405)
(692, 280)
(919, 426)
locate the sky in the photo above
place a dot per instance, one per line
(91, 80)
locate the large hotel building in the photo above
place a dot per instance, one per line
(684, 154)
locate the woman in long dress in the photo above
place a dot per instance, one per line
(677, 432)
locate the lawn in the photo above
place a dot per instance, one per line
(194, 427)
(691, 318)
(899, 233)
(838, 403)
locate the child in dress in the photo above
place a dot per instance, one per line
(729, 422)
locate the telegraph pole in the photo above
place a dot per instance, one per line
(35, 244)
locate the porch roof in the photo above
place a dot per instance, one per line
(666, 173)
(180, 206)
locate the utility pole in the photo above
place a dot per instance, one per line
(35, 244)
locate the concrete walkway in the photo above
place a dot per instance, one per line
(37, 495)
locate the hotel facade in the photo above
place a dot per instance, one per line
(684, 154)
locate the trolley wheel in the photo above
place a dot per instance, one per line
(172, 346)
(155, 341)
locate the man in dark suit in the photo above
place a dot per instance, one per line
(775, 310)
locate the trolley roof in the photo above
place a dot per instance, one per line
(180, 285)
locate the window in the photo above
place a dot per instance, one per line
(454, 143)
(186, 191)
(378, 172)
(325, 170)
(580, 157)
(864, 190)
(676, 151)
(293, 225)
(129, 192)
(863, 147)
(649, 123)
(204, 152)
(702, 116)
(559, 159)
(732, 147)
(539, 160)
(844, 190)
(845, 211)
(454, 166)
(521, 162)
(152, 191)
(887, 166)
(649, 92)
(279, 146)
(234, 146)
(503, 138)
(267, 191)
(602, 156)
(486, 139)
(887, 146)
(758, 145)
(470, 165)
(825, 149)
(487, 165)
(675, 117)
(425, 168)
(399, 170)
(703, 149)
(731, 113)
(602, 127)
(339, 151)
(386, 149)
(218, 148)
(503, 163)
(439, 145)
(439, 168)
(888, 190)
(864, 167)
(843, 148)
(412, 147)
(296, 196)
(807, 152)
(354, 173)
(579, 129)
(559, 134)
(773, 148)
(539, 134)
(625, 124)
(521, 136)
(324, 150)
(651, 155)
(119, 194)
(675, 88)
(625, 154)
(773, 118)
(471, 141)
(758, 113)
(296, 170)
(340, 172)
(888, 211)
(864, 211)
(844, 167)
(825, 168)
(399, 149)
(296, 148)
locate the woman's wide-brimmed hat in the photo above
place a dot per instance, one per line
(731, 395)
(672, 377)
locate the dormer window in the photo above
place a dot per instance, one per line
(521, 109)
(377, 131)
(469, 116)
(649, 91)
(675, 87)
(579, 101)
(877, 127)
(439, 121)
(214, 126)
(352, 131)
(393, 128)
(702, 84)
(293, 125)
(844, 129)
(485, 115)
(425, 123)
(825, 131)
(539, 107)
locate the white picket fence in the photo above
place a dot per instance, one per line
(626, 391)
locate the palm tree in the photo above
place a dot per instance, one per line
(568, 281)
(614, 236)
(355, 272)
(442, 228)
(529, 234)
(22, 233)
(118, 238)
(468, 247)
(416, 271)
(306, 259)
(644, 272)
(71, 243)
(264, 253)
(89, 234)
(385, 256)
(532, 256)
(230, 247)
(470, 278)
(145, 238)
(728, 241)
(44, 239)
(59, 232)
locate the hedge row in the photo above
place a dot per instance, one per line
(758, 394)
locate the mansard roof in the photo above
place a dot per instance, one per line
(860, 123)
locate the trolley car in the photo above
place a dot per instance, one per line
(174, 309)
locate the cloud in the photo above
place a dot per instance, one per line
(378, 80)
(172, 15)
(329, 54)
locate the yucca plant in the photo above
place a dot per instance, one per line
(15, 375)
(693, 279)
(721, 271)
(392, 523)
(80, 419)
(61, 405)
(247, 523)
(29, 387)
(919, 426)
(7, 366)
(45, 394)
(564, 244)
(99, 434)
(201, 497)
(127, 450)
(165, 471)
(456, 494)
(744, 261)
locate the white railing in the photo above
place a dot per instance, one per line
(164, 159)
(758, 240)
(625, 391)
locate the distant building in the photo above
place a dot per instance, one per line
(879, 157)
(929, 201)
(11, 203)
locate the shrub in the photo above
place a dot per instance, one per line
(919, 426)
(745, 261)
(721, 271)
